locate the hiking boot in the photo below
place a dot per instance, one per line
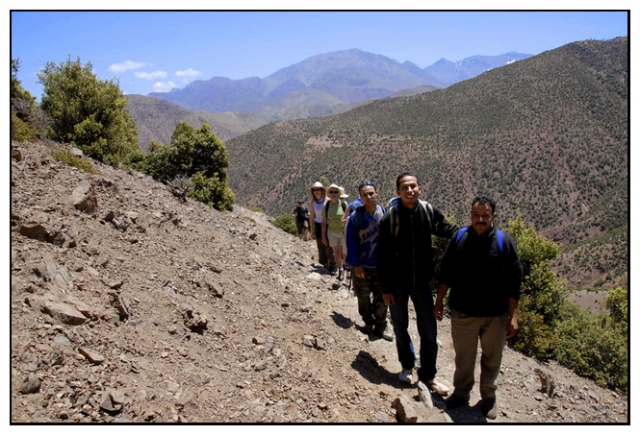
(490, 408)
(456, 401)
(340, 275)
(406, 376)
(437, 387)
(368, 328)
(383, 332)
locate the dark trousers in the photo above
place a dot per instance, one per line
(371, 304)
(325, 252)
(427, 328)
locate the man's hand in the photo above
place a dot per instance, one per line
(512, 326)
(359, 272)
(438, 310)
(388, 299)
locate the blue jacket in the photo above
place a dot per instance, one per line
(362, 242)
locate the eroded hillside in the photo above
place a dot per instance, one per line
(128, 305)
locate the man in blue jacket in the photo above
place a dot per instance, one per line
(405, 266)
(483, 270)
(362, 241)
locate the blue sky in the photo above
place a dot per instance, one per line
(149, 51)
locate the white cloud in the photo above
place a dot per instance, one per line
(126, 66)
(188, 73)
(151, 75)
(163, 86)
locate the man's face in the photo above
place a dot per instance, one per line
(481, 218)
(369, 195)
(409, 191)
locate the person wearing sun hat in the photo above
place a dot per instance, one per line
(334, 216)
(318, 199)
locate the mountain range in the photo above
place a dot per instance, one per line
(326, 84)
(546, 136)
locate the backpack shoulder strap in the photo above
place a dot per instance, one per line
(500, 240)
(326, 208)
(359, 211)
(393, 218)
(428, 208)
(461, 233)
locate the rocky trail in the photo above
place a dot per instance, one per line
(129, 305)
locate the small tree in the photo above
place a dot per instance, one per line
(22, 107)
(544, 294)
(196, 153)
(286, 223)
(88, 112)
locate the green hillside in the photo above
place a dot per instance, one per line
(546, 137)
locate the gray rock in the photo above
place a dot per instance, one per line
(405, 410)
(31, 384)
(84, 198)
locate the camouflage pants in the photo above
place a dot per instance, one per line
(371, 304)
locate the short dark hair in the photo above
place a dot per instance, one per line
(405, 174)
(365, 184)
(484, 200)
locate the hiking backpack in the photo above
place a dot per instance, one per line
(499, 238)
(343, 203)
(428, 208)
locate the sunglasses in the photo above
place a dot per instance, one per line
(333, 191)
(316, 190)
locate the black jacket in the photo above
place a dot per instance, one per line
(405, 260)
(481, 277)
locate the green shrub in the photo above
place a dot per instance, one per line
(287, 223)
(21, 130)
(594, 346)
(195, 153)
(88, 112)
(67, 157)
(212, 191)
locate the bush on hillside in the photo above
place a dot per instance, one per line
(286, 223)
(27, 120)
(88, 112)
(551, 327)
(197, 154)
(67, 157)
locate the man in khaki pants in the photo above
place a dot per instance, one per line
(483, 270)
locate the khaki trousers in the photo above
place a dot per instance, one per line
(465, 333)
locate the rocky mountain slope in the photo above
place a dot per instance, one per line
(128, 305)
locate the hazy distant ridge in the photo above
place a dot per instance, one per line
(325, 84)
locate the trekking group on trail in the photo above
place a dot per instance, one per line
(389, 252)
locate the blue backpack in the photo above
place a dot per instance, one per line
(359, 215)
(499, 238)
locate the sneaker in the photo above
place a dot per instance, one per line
(383, 332)
(437, 387)
(490, 408)
(456, 401)
(406, 376)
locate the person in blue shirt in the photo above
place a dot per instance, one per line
(362, 240)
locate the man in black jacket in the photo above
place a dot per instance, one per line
(483, 270)
(405, 267)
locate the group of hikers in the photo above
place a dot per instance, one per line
(389, 252)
